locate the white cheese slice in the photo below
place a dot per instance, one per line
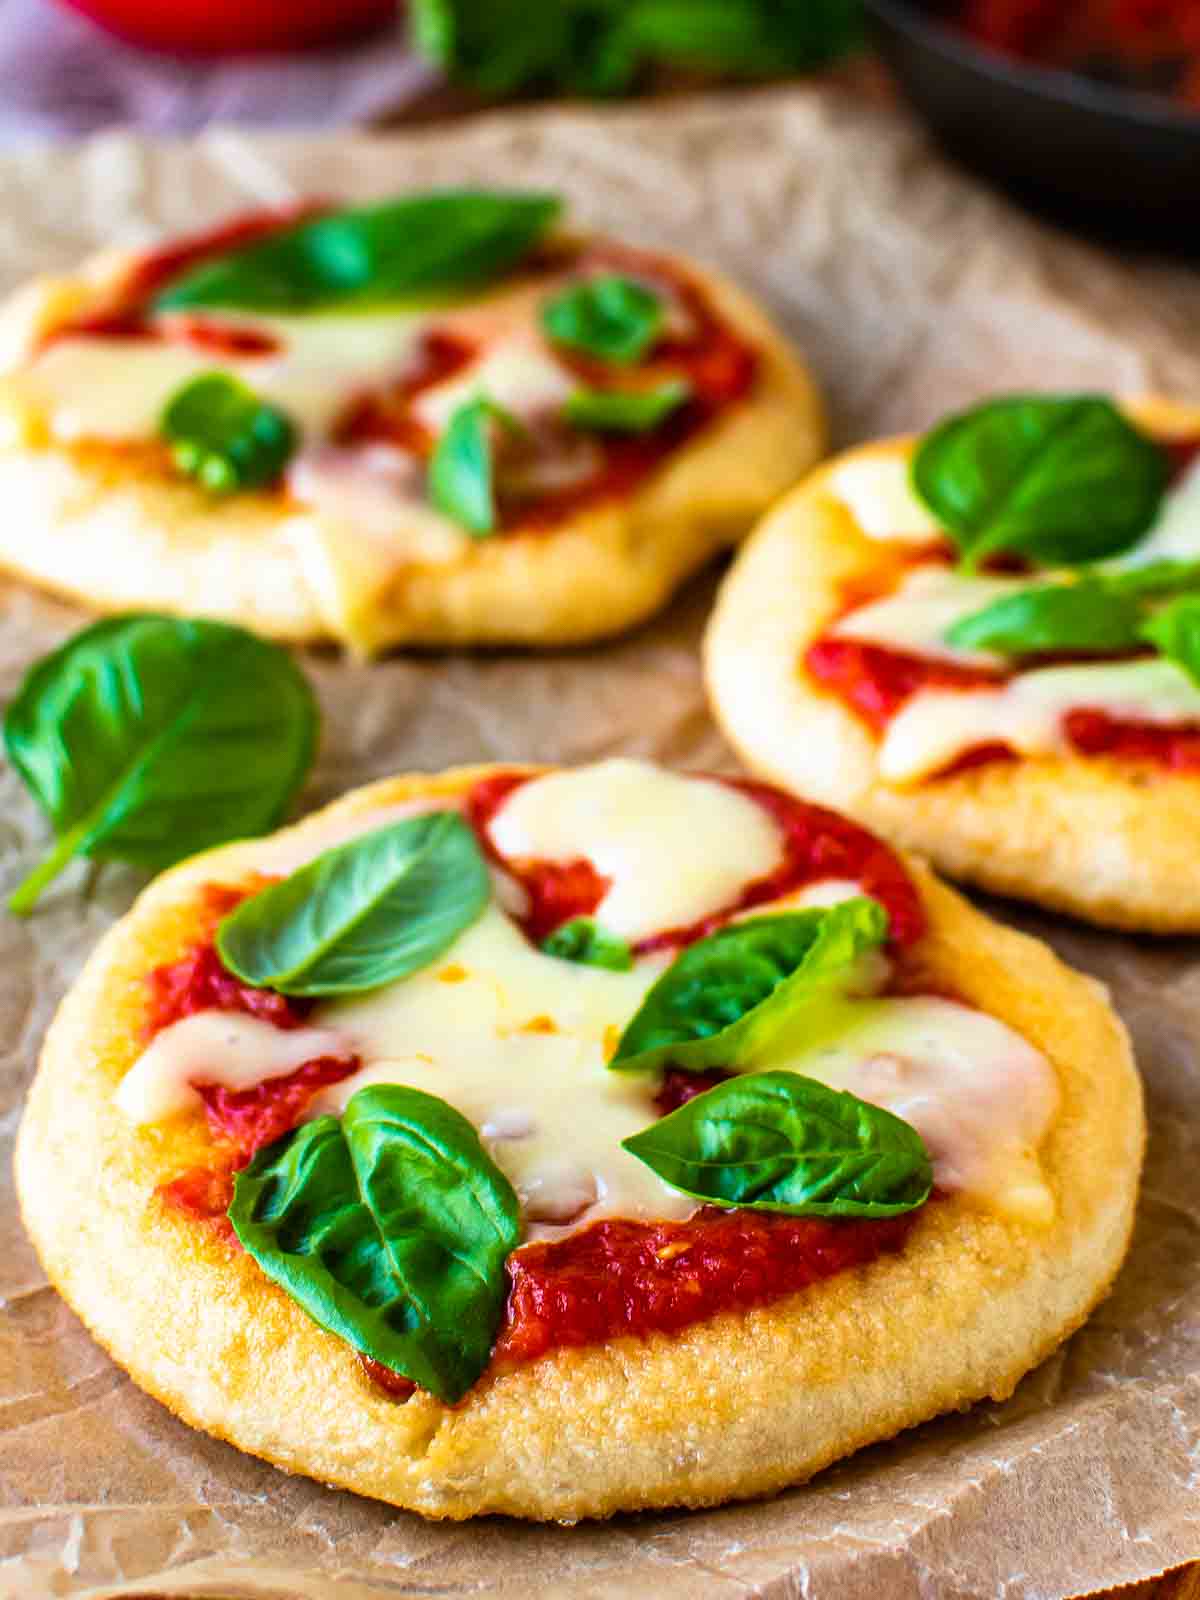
(916, 616)
(106, 388)
(222, 1047)
(874, 487)
(1026, 713)
(517, 373)
(676, 848)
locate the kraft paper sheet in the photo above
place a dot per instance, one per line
(912, 291)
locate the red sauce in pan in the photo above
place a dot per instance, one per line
(1148, 45)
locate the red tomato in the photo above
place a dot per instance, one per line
(226, 27)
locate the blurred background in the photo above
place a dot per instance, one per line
(1088, 108)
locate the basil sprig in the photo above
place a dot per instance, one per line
(1085, 616)
(462, 469)
(605, 47)
(225, 436)
(777, 1141)
(390, 1227)
(146, 738)
(444, 242)
(362, 914)
(728, 996)
(1153, 580)
(611, 317)
(1175, 631)
(583, 940)
(626, 410)
(1063, 479)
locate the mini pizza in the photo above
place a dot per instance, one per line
(440, 419)
(986, 644)
(564, 1142)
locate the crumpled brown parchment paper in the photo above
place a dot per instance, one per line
(912, 291)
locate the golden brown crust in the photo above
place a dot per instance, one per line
(118, 532)
(1109, 840)
(740, 1405)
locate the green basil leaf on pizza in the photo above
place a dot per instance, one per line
(443, 242)
(1175, 630)
(222, 434)
(584, 941)
(777, 1141)
(1082, 618)
(363, 914)
(148, 738)
(726, 997)
(1155, 579)
(610, 317)
(462, 469)
(390, 1227)
(626, 410)
(1061, 479)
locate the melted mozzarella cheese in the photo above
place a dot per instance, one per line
(874, 487)
(221, 1047)
(677, 849)
(518, 373)
(979, 1095)
(937, 726)
(96, 387)
(916, 617)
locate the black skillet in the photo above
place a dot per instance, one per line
(1124, 163)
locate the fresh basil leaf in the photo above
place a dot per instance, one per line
(391, 1229)
(1154, 579)
(626, 410)
(362, 914)
(1084, 616)
(1064, 479)
(462, 473)
(147, 738)
(610, 317)
(1176, 632)
(584, 941)
(776, 1141)
(444, 242)
(605, 47)
(726, 997)
(224, 436)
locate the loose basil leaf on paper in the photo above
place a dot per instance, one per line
(610, 317)
(726, 997)
(605, 47)
(462, 471)
(1083, 616)
(390, 1228)
(225, 436)
(626, 410)
(777, 1141)
(146, 738)
(1176, 632)
(1063, 479)
(362, 914)
(583, 940)
(443, 242)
